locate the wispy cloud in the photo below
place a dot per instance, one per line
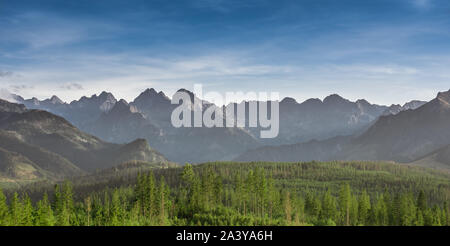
(71, 86)
(20, 88)
(5, 73)
(90, 74)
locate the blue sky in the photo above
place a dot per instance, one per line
(386, 51)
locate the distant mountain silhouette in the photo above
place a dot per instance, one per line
(148, 116)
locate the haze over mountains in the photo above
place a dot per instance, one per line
(405, 137)
(148, 117)
(36, 144)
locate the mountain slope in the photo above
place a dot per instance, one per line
(313, 150)
(404, 137)
(438, 159)
(17, 168)
(56, 146)
(123, 123)
(408, 135)
(56, 165)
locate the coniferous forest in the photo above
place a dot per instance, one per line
(238, 194)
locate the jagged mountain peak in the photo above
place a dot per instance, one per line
(105, 101)
(150, 91)
(150, 95)
(107, 97)
(122, 102)
(54, 100)
(103, 96)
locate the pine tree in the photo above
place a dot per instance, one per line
(44, 213)
(363, 208)
(27, 211)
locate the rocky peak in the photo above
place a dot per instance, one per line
(107, 96)
(54, 100)
(148, 95)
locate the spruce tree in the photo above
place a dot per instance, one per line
(363, 208)
(44, 213)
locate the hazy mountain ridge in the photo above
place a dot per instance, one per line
(403, 137)
(397, 108)
(148, 116)
(51, 143)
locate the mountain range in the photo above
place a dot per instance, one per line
(36, 144)
(415, 135)
(148, 117)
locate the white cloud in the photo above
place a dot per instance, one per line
(6, 95)
(128, 75)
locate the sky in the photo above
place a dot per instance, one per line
(384, 51)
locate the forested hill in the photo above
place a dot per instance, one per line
(257, 193)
